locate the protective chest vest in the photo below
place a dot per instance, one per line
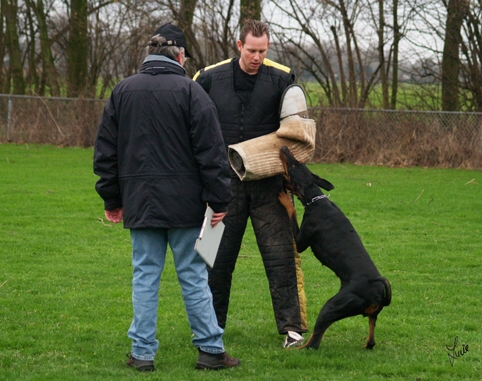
(260, 115)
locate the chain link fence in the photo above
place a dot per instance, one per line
(374, 137)
(49, 120)
(399, 138)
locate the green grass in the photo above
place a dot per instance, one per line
(65, 281)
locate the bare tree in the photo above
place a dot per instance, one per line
(3, 77)
(456, 11)
(348, 47)
(346, 69)
(250, 10)
(451, 49)
(217, 27)
(471, 66)
(49, 72)
(397, 36)
(384, 67)
(78, 46)
(15, 67)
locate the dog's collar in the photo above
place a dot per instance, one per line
(316, 198)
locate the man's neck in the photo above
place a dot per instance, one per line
(245, 69)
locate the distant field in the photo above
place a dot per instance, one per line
(65, 281)
(410, 96)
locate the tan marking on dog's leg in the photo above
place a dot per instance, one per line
(285, 200)
(372, 309)
(371, 334)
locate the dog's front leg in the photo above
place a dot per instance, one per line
(303, 236)
(286, 201)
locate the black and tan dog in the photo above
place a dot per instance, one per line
(337, 245)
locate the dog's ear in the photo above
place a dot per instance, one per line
(322, 183)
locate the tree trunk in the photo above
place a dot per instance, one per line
(50, 76)
(352, 82)
(456, 9)
(250, 10)
(32, 79)
(9, 11)
(186, 15)
(341, 68)
(396, 42)
(381, 54)
(78, 45)
(2, 51)
(471, 72)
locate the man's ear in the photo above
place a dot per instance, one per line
(322, 183)
(180, 58)
(239, 44)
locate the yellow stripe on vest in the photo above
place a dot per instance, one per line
(210, 67)
(266, 62)
(276, 65)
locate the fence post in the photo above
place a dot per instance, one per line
(9, 122)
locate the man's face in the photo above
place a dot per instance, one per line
(253, 53)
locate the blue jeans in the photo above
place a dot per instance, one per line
(148, 258)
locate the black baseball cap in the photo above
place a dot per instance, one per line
(174, 36)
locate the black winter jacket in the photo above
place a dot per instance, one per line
(260, 116)
(159, 150)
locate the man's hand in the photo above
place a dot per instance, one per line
(114, 215)
(217, 218)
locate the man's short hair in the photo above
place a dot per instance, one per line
(256, 28)
(155, 47)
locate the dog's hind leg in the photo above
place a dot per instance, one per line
(372, 313)
(371, 335)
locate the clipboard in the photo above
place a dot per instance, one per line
(207, 244)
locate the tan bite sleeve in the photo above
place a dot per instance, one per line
(259, 158)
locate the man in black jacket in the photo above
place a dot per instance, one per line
(159, 154)
(247, 93)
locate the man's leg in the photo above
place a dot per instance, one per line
(148, 257)
(193, 277)
(282, 262)
(220, 276)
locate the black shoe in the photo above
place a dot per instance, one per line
(140, 365)
(215, 361)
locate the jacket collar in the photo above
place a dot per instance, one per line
(160, 64)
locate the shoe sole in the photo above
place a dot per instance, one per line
(142, 368)
(295, 344)
(206, 366)
(201, 365)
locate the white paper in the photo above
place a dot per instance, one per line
(207, 244)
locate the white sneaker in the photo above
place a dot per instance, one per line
(293, 339)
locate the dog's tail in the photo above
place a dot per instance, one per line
(387, 295)
(388, 292)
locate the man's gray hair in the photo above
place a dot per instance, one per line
(155, 46)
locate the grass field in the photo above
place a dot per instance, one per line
(65, 281)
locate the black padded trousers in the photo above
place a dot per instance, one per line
(258, 200)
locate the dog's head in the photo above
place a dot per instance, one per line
(297, 177)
